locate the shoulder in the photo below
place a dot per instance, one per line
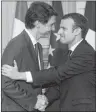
(88, 51)
(89, 47)
(85, 48)
(84, 51)
(19, 41)
(16, 44)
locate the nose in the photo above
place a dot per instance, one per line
(59, 31)
(53, 28)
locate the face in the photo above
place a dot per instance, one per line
(66, 32)
(48, 27)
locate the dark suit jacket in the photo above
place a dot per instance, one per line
(59, 57)
(19, 95)
(76, 79)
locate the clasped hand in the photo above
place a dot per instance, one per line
(41, 103)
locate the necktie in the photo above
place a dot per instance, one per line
(37, 49)
(69, 53)
(39, 57)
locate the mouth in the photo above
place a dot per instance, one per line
(47, 33)
(62, 37)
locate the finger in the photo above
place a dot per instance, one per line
(37, 105)
(6, 69)
(15, 64)
(41, 102)
(4, 73)
(42, 108)
(42, 97)
(7, 66)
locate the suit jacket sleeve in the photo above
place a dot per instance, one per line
(53, 94)
(78, 64)
(9, 86)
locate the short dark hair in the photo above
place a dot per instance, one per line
(80, 21)
(38, 11)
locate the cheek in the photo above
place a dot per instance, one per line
(45, 29)
(66, 33)
(42, 29)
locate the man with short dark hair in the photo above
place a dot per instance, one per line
(76, 77)
(20, 95)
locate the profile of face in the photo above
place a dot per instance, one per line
(66, 32)
(48, 27)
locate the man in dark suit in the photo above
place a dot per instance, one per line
(76, 77)
(19, 95)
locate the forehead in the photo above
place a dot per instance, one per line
(66, 22)
(52, 20)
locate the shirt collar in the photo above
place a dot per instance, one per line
(34, 41)
(74, 46)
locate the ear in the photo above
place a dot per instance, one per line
(77, 31)
(37, 24)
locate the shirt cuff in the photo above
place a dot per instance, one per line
(29, 77)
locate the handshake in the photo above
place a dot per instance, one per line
(42, 102)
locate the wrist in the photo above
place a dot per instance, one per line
(22, 76)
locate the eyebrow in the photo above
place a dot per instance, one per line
(63, 27)
(53, 22)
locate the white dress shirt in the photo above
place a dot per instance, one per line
(34, 41)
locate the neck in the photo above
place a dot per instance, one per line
(77, 39)
(34, 33)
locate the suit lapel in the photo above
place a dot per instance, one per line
(30, 47)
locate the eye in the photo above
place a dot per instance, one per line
(63, 28)
(53, 24)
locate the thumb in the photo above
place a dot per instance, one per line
(15, 65)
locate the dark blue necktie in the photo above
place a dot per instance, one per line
(69, 53)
